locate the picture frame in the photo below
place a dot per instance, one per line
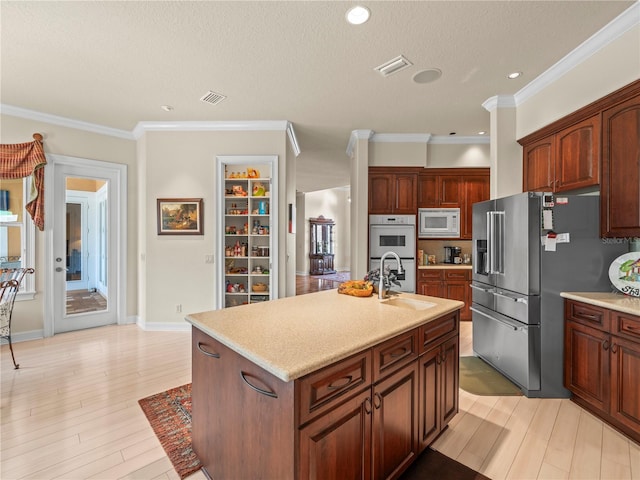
(180, 216)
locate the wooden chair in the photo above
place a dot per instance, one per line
(10, 280)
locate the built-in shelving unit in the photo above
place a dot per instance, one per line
(248, 194)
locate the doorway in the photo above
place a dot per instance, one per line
(86, 244)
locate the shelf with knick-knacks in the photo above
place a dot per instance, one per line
(247, 234)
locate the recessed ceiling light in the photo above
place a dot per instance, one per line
(514, 75)
(428, 75)
(358, 15)
(482, 132)
(166, 108)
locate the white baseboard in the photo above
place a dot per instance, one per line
(24, 337)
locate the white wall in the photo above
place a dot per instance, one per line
(331, 203)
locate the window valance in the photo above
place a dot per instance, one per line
(20, 160)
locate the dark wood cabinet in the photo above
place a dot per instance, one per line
(393, 190)
(475, 188)
(439, 190)
(321, 245)
(602, 364)
(451, 283)
(563, 161)
(620, 191)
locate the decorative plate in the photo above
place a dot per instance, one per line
(624, 273)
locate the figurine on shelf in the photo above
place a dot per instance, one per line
(258, 189)
(253, 173)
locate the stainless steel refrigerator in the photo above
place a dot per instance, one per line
(518, 273)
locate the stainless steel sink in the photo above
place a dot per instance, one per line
(409, 303)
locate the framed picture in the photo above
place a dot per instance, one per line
(180, 216)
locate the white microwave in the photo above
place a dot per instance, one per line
(438, 223)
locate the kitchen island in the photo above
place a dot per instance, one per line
(323, 385)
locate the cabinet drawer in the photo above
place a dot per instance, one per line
(455, 274)
(587, 314)
(625, 325)
(437, 330)
(430, 275)
(325, 388)
(394, 353)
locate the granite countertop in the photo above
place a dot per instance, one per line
(445, 265)
(613, 301)
(291, 337)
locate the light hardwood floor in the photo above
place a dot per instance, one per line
(71, 412)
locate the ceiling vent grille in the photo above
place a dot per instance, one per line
(393, 66)
(212, 97)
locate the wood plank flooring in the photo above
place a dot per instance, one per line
(71, 412)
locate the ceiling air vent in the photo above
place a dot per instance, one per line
(212, 97)
(393, 66)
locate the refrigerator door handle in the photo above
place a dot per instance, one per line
(515, 299)
(486, 290)
(514, 327)
(495, 240)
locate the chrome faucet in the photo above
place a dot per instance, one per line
(381, 281)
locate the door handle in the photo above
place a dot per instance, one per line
(60, 269)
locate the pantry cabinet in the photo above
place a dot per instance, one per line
(602, 364)
(392, 190)
(247, 230)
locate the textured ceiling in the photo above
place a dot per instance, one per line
(115, 63)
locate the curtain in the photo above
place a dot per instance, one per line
(20, 160)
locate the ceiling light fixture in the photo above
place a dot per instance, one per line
(393, 66)
(514, 75)
(166, 108)
(358, 15)
(481, 132)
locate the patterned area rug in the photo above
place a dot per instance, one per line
(338, 277)
(169, 414)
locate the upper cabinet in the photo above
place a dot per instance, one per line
(393, 190)
(596, 145)
(437, 190)
(620, 191)
(565, 160)
(475, 188)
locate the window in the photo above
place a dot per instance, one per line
(17, 232)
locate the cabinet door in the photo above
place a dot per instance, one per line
(429, 411)
(427, 191)
(625, 382)
(395, 422)
(450, 377)
(449, 191)
(406, 190)
(381, 193)
(620, 186)
(475, 189)
(538, 166)
(578, 155)
(586, 369)
(432, 289)
(337, 445)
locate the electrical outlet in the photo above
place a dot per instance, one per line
(179, 308)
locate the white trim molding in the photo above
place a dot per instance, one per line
(499, 101)
(355, 136)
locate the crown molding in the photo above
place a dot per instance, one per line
(210, 126)
(499, 101)
(461, 140)
(627, 20)
(401, 137)
(64, 122)
(293, 139)
(355, 136)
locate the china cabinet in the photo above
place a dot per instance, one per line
(321, 245)
(249, 198)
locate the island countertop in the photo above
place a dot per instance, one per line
(612, 301)
(291, 337)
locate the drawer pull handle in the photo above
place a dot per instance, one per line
(376, 396)
(259, 390)
(587, 315)
(209, 354)
(614, 348)
(399, 353)
(347, 380)
(605, 345)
